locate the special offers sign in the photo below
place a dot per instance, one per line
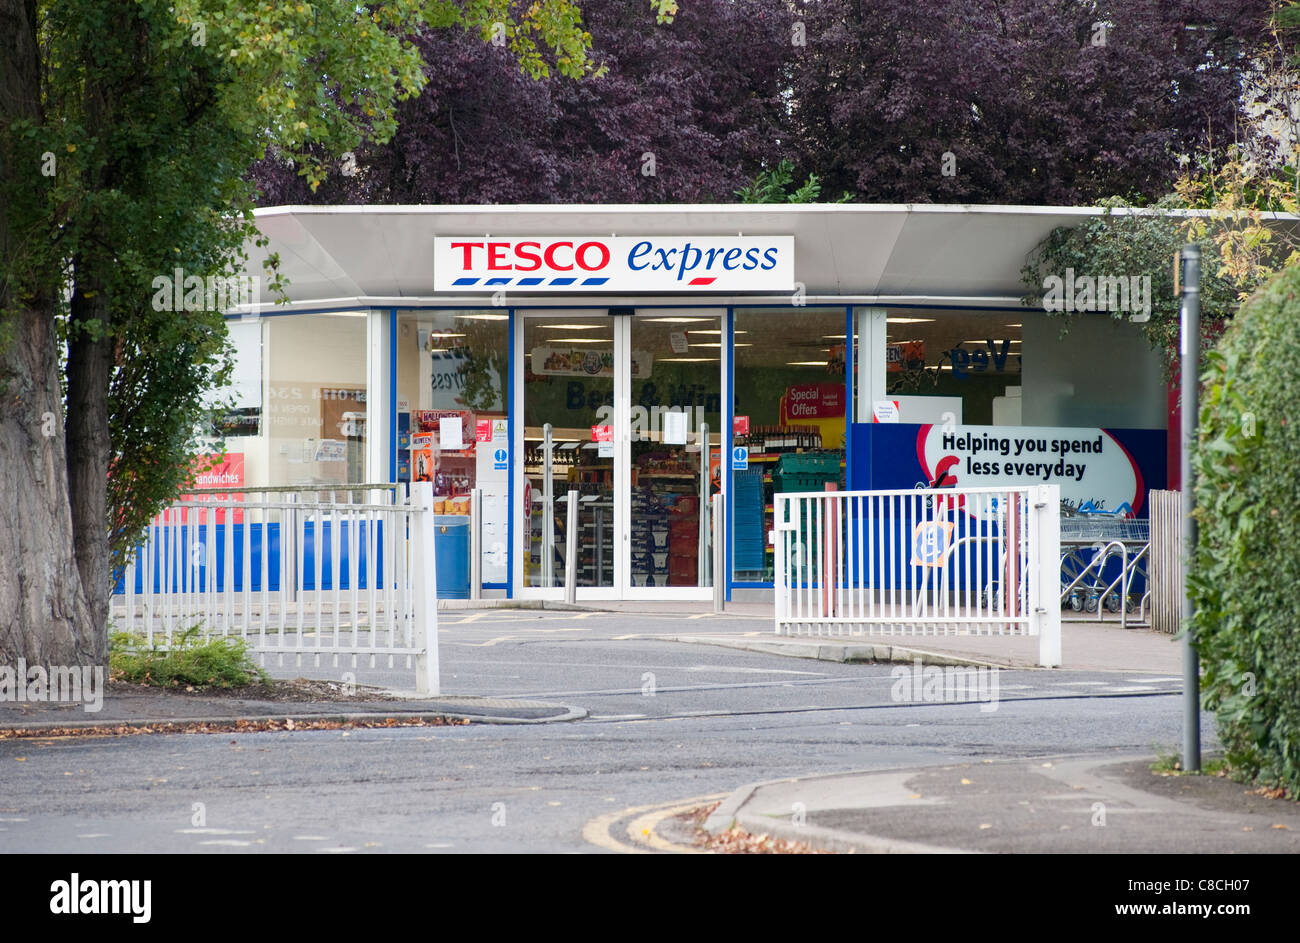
(613, 263)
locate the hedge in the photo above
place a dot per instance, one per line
(1245, 576)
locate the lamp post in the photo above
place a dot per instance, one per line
(1189, 380)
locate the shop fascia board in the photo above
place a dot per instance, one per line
(851, 253)
(483, 302)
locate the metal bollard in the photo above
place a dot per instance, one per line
(719, 556)
(476, 543)
(548, 509)
(571, 550)
(702, 550)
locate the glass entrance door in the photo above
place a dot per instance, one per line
(626, 412)
(570, 365)
(674, 419)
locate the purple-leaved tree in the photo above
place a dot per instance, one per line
(685, 112)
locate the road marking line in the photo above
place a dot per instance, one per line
(617, 717)
(596, 832)
(736, 669)
(642, 829)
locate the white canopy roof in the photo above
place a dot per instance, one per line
(927, 254)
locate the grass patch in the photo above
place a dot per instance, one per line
(1169, 762)
(193, 659)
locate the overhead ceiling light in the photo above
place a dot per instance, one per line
(710, 344)
(805, 363)
(696, 330)
(679, 320)
(688, 360)
(909, 320)
(1015, 325)
(579, 340)
(838, 337)
(593, 326)
(485, 317)
(441, 334)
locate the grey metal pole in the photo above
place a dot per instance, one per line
(548, 509)
(476, 543)
(1189, 379)
(571, 551)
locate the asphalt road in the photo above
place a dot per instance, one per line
(668, 722)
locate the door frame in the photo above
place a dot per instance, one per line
(623, 587)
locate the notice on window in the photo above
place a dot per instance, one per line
(674, 424)
(450, 433)
(603, 436)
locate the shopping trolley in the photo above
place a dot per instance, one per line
(1089, 580)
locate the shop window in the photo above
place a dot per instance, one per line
(452, 367)
(966, 363)
(298, 403)
(790, 406)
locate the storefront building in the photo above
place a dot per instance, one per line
(651, 356)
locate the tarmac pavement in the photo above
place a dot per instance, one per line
(1072, 804)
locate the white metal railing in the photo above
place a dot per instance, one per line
(978, 561)
(311, 572)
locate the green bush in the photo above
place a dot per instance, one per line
(1245, 577)
(193, 660)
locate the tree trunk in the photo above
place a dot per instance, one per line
(44, 616)
(90, 366)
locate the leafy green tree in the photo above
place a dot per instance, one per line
(127, 128)
(1130, 241)
(773, 186)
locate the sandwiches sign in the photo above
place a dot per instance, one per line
(613, 263)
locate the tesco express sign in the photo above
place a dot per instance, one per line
(613, 263)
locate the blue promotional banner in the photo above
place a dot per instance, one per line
(1097, 470)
